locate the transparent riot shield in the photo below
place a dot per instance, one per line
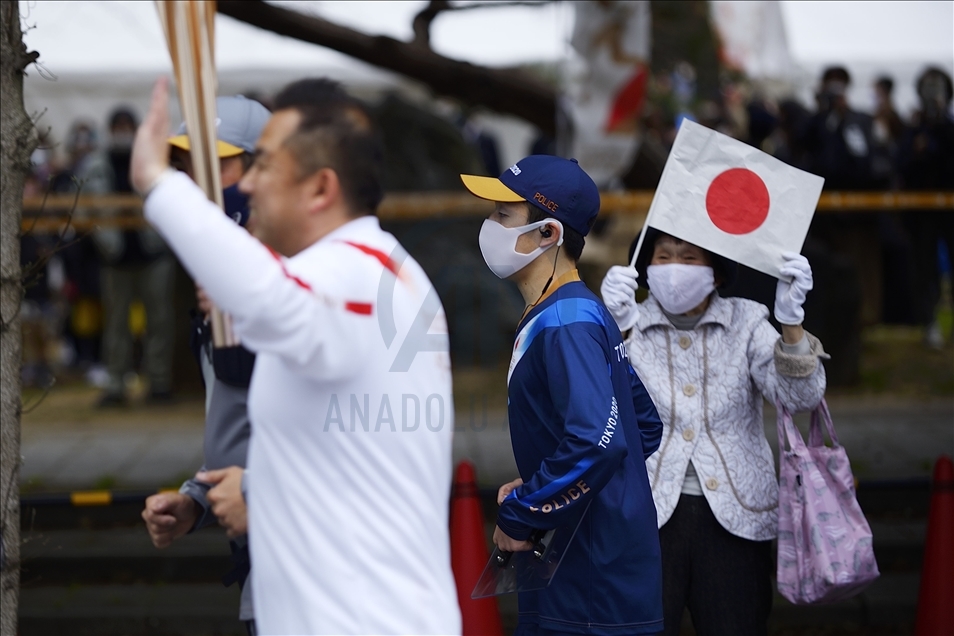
(509, 572)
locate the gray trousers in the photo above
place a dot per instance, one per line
(153, 283)
(227, 431)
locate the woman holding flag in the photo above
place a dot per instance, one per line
(709, 362)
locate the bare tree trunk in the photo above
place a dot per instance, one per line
(504, 90)
(17, 141)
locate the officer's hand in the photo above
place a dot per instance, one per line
(226, 498)
(506, 543)
(506, 489)
(168, 516)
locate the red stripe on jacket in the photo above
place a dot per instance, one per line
(363, 309)
(359, 308)
(285, 271)
(383, 258)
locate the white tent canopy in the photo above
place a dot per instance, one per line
(104, 54)
(95, 56)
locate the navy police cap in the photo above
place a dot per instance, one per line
(557, 186)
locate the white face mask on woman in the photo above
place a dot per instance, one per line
(678, 287)
(498, 245)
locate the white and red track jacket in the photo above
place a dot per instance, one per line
(352, 419)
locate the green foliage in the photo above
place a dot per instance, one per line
(105, 482)
(896, 361)
(177, 480)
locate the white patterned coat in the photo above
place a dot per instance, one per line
(708, 385)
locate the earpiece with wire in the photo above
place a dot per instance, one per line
(546, 232)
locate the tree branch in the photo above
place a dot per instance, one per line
(496, 4)
(422, 21)
(504, 90)
(26, 59)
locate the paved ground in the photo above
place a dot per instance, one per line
(103, 578)
(112, 581)
(68, 445)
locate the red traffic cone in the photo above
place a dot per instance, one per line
(469, 555)
(935, 606)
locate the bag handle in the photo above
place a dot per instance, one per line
(815, 435)
(787, 431)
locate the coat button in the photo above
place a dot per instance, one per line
(685, 341)
(712, 483)
(688, 434)
(689, 390)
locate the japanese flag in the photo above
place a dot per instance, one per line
(732, 199)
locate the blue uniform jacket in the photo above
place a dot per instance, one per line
(581, 425)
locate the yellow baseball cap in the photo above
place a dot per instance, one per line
(223, 149)
(238, 124)
(490, 188)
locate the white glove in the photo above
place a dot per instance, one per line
(619, 295)
(789, 296)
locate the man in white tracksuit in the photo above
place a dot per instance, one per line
(350, 403)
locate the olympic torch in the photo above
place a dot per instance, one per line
(189, 27)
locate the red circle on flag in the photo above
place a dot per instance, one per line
(737, 201)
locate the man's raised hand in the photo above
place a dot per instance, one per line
(150, 155)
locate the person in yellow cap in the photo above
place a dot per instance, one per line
(226, 371)
(238, 124)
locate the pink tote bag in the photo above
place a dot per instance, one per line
(825, 551)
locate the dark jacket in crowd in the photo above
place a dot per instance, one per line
(838, 148)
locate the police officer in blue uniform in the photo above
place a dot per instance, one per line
(581, 422)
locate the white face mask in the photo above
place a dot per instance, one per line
(679, 287)
(498, 245)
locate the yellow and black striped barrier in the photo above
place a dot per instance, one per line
(84, 498)
(90, 498)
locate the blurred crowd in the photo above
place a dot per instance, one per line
(908, 250)
(100, 304)
(852, 150)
